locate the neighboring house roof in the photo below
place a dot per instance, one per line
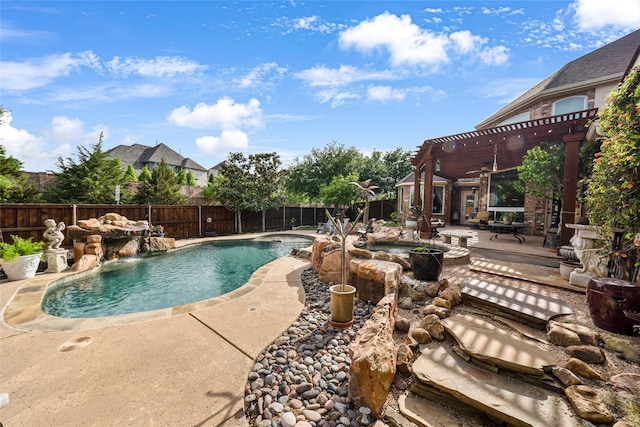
(606, 64)
(138, 154)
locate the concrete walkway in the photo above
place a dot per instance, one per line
(183, 366)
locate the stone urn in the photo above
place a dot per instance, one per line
(23, 267)
(426, 263)
(342, 302)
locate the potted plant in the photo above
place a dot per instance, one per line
(20, 259)
(343, 294)
(508, 217)
(157, 231)
(426, 262)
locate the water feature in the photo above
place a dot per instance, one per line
(152, 282)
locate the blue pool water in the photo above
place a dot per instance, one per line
(152, 282)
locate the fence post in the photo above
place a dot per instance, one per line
(149, 213)
(200, 220)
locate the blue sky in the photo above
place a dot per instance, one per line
(212, 77)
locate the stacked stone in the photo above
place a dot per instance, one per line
(302, 378)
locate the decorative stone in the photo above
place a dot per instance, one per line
(565, 376)
(288, 419)
(441, 302)
(441, 312)
(561, 336)
(587, 404)
(94, 238)
(580, 368)
(406, 303)
(451, 294)
(586, 335)
(85, 263)
(587, 353)
(402, 325)
(627, 382)
(373, 358)
(404, 360)
(421, 335)
(431, 324)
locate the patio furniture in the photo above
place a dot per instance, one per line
(327, 227)
(513, 228)
(480, 220)
(462, 235)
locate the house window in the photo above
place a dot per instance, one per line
(502, 191)
(569, 105)
(522, 117)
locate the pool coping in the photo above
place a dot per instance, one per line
(23, 312)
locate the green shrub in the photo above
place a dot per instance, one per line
(19, 247)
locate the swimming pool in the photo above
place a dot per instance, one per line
(152, 282)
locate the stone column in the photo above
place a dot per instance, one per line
(56, 260)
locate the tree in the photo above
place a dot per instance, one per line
(613, 199)
(248, 183)
(162, 188)
(145, 174)
(191, 180)
(92, 179)
(316, 169)
(181, 178)
(268, 183)
(397, 164)
(130, 174)
(542, 171)
(14, 184)
(340, 192)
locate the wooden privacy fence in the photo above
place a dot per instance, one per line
(179, 221)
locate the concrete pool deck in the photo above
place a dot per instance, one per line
(184, 368)
(175, 368)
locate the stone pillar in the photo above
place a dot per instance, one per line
(56, 260)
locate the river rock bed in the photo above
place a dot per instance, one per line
(301, 379)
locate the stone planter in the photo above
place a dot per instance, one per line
(23, 267)
(426, 265)
(567, 267)
(342, 302)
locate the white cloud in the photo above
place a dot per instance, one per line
(410, 45)
(229, 140)
(161, 66)
(38, 72)
(65, 129)
(406, 43)
(385, 93)
(335, 98)
(28, 148)
(494, 55)
(225, 114)
(346, 74)
(258, 74)
(465, 42)
(597, 14)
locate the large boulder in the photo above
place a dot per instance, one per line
(374, 278)
(373, 358)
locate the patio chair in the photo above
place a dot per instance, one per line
(481, 220)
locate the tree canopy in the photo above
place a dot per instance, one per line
(14, 184)
(248, 183)
(317, 169)
(91, 179)
(162, 188)
(541, 173)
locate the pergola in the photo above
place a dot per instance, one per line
(502, 147)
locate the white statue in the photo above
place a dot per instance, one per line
(53, 233)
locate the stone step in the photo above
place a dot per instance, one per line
(531, 307)
(428, 413)
(439, 370)
(488, 343)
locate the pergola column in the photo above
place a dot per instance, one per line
(570, 184)
(424, 165)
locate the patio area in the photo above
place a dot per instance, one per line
(182, 368)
